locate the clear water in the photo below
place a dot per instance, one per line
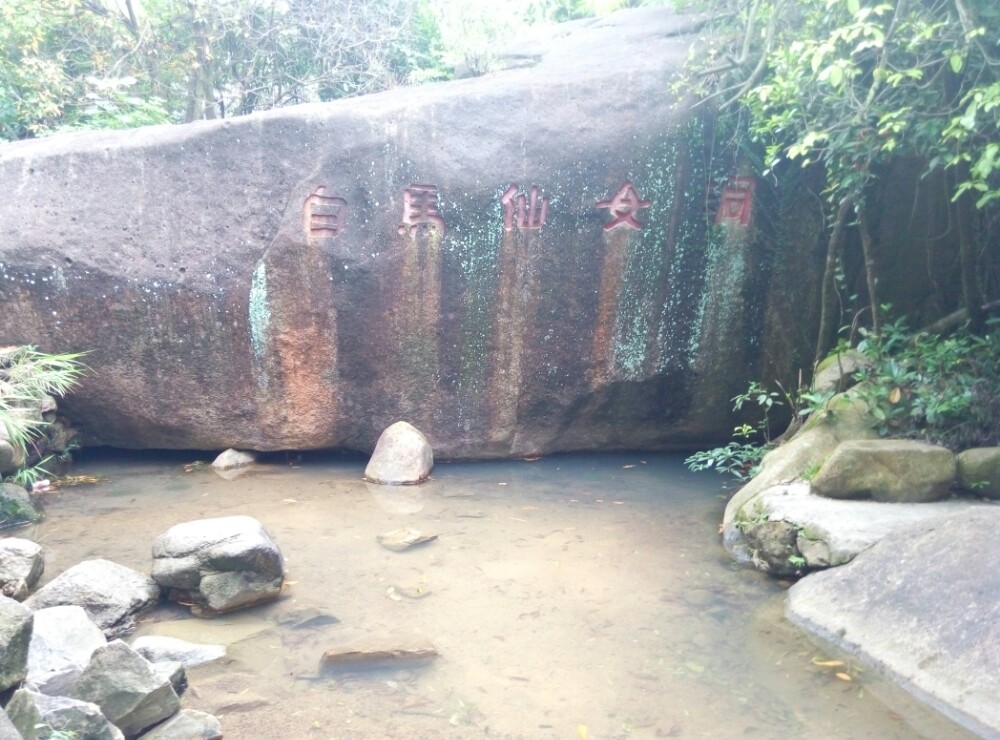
(578, 596)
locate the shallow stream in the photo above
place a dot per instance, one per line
(581, 596)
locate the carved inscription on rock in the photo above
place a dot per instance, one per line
(523, 211)
(420, 211)
(623, 207)
(323, 216)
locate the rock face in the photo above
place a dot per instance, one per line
(61, 646)
(402, 455)
(218, 565)
(126, 688)
(809, 448)
(792, 530)
(921, 607)
(891, 470)
(111, 594)
(516, 264)
(82, 719)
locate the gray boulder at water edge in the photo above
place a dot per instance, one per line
(553, 257)
(36, 716)
(402, 455)
(188, 724)
(21, 565)
(15, 636)
(160, 648)
(128, 690)
(111, 594)
(16, 506)
(218, 565)
(921, 607)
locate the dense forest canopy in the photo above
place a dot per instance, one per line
(68, 64)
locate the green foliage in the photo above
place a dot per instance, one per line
(27, 376)
(741, 457)
(69, 64)
(851, 83)
(944, 389)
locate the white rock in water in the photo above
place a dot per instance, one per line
(232, 459)
(402, 455)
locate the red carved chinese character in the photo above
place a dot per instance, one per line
(521, 212)
(736, 203)
(623, 206)
(420, 209)
(323, 215)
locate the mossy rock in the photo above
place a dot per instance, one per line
(16, 507)
(979, 471)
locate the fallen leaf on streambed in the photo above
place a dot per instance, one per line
(827, 663)
(626, 467)
(843, 676)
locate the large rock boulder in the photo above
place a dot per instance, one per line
(218, 565)
(890, 470)
(61, 645)
(845, 418)
(21, 565)
(402, 455)
(128, 690)
(111, 594)
(921, 607)
(791, 530)
(979, 471)
(516, 264)
(41, 716)
(15, 637)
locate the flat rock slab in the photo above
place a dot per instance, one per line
(379, 652)
(832, 532)
(921, 607)
(404, 539)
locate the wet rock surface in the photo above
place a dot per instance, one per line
(16, 506)
(379, 652)
(920, 606)
(516, 264)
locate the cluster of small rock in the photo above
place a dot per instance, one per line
(63, 660)
(62, 656)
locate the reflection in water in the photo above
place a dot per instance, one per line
(578, 596)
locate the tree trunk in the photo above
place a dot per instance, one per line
(963, 213)
(871, 273)
(828, 295)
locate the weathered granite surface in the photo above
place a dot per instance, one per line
(921, 607)
(516, 264)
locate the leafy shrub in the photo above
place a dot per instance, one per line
(943, 389)
(27, 376)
